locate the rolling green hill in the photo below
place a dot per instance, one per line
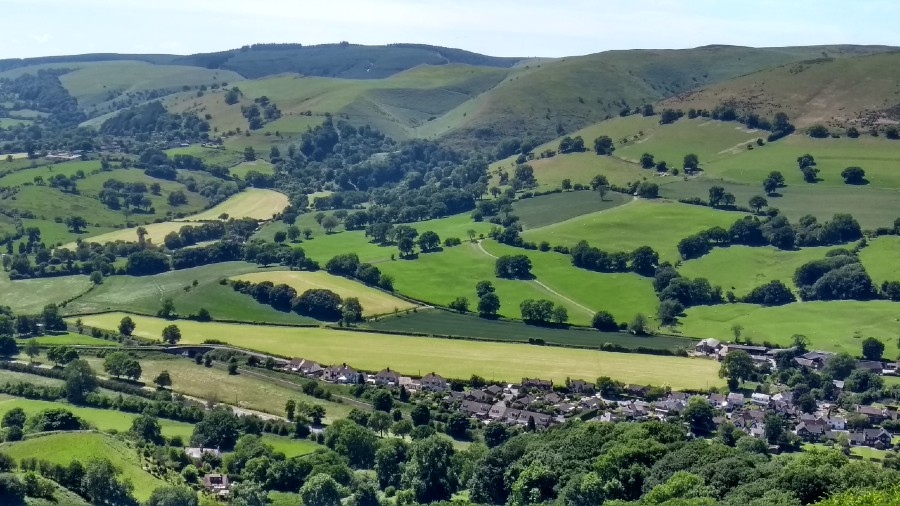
(828, 91)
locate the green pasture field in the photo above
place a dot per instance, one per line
(11, 122)
(92, 185)
(250, 203)
(68, 339)
(451, 358)
(290, 447)
(374, 301)
(878, 156)
(68, 169)
(64, 447)
(240, 170)
(872, 207)
(53, 233)
(211, 156)
(102, 419)
(438, 322)
(623, 294)
(144, 294)
(215, 384)
(881, 258)
(7, 376)
(156, 232)
(580, 168)
(46, 203)
(742, 268)
(440, 277)
(29, 296)
(829, 325)
(659, 224)
(708, 139)
(322, 247)
(546, 210)
(91, 82)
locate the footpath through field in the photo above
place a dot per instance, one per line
(542, 285)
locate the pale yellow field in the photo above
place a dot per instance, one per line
(155, 234)
(250, 203)
(374, 302)
(448, 357)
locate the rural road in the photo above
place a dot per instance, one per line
(542, 285)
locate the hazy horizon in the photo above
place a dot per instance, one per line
(502, 28)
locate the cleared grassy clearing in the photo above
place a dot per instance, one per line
(144, 295)
(659, 224)
(240, 170)
(447, 323)
(451, 358)
(556, 207)
(742, 268)
(374, 301)
(29, 296)
(832, 325)
(62, 448)
(872, 207)
(290, 447)
(212, 156)
(880, 259)
(102, 419)
(251, 203)
(215, 384)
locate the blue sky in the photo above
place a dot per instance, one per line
(496, 27)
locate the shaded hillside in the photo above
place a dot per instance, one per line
(350, 61)
(836, 92)
(559, 96)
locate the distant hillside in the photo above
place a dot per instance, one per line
(550, 98)
(836, 92)
(349, 61)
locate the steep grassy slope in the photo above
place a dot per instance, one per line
(100, 86)
(830, 91)
(398, 105)
(567, 94)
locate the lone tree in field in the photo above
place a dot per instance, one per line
(758, 202)
(459, 304)
(691, 162)
(488, 304)
(32, 349)
(647, 161)
(603, 145)
(513, 267)
(640, 325)
(872, 349)
(76, 223)
(163, 380)
(171, 334)
(167, 309)
(126, 326)
(854, 175)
